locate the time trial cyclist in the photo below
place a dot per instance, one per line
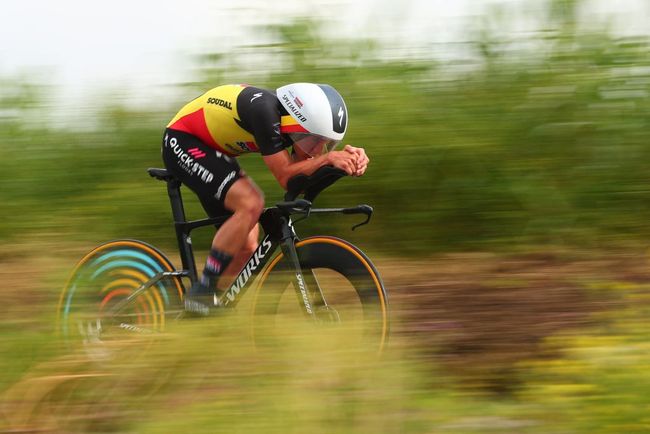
(203, 140)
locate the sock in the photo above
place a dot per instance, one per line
(215, 264)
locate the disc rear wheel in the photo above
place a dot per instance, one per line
(114, 292)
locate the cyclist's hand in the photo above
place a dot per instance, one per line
(343, 160)
(361, 161)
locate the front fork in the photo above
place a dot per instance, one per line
(309, 293)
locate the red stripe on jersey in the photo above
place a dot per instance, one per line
(194, 124)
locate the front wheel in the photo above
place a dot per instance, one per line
(119, 288)
(344, 288)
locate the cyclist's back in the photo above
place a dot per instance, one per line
(233, 118)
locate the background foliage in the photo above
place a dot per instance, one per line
(526, 143)
(531, 144)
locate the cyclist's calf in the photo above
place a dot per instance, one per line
(238, 235)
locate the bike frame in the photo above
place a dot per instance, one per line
(278, 232)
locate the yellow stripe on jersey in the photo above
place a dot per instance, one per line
(213, 118)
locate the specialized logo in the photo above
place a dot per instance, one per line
(339, 113)
(220, 102)
(227, 179)
(196, 153)
(256, 95)
(303, 292)
(294, 109)
(186, 161)
(246, 273)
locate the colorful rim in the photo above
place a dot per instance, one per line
(123, 266)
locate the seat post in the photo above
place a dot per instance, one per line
(182, 232)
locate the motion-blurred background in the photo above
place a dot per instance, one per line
(509, 145)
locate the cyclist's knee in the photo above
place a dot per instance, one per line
(254, 206)
(245, 199)
(250, 207)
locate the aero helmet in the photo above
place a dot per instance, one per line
(317, 118)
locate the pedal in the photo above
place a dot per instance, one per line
(202, 305)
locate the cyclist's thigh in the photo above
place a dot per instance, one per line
(205, 171)
(244, 194)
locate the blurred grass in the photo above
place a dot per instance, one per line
(529, 148)
(206, 376)
(297, 386)
(601, 382)
(506, 345)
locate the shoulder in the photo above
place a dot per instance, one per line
(255, 105)
(260, 111)
(257, 97)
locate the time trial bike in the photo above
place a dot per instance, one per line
(129, 286)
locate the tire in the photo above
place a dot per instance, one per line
(350, 283)
(107, 275)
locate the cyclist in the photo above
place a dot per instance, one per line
(202, 141)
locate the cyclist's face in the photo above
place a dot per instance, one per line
(312, 144)
(299, 154)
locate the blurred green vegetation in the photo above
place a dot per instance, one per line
(540, 141)
(532, 143)
(601, 382)
(207, 377)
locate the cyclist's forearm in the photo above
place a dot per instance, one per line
(284, 167)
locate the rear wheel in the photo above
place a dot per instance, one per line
(344, 285)
(99, 303)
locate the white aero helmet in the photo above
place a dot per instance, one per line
(317, 117)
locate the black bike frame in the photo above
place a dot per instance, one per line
(277, 229)
(278, 232)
